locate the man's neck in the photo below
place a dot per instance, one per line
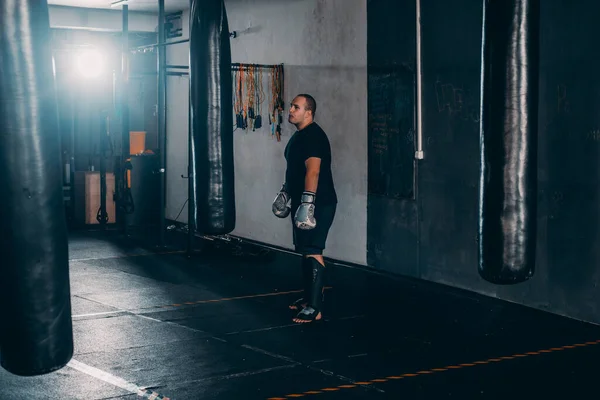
(303, 125)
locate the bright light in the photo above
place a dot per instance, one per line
(90, 63)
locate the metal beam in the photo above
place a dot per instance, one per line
(125, 150)
(162, 117)
(119, 3)
(164, 44)
(191, 186)
(419, 155)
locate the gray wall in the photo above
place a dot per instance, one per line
(438, 231)
(177, 104)
(322, 44)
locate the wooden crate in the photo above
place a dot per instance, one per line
(87, 197)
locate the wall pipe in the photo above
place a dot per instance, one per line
(151, 46)
(162, 117)
(234, 66)
(102, 216)
(191, 192)
(72, 161)
(419, 155)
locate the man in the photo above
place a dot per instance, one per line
(310, 190)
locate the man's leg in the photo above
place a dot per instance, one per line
(313, 309)
(307, 277)
(311, 245)
(318, 257)
(299, 240)
(306, 285)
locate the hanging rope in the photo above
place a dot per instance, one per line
(249, 95)
(277, 101)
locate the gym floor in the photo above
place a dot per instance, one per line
(155, 324)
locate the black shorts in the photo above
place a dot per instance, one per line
(313, 241)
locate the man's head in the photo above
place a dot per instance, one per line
(302, 110)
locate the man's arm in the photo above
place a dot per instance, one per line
(304, 218)
(311, 179)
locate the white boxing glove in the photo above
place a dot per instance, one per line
(280, 206)
(305, 214)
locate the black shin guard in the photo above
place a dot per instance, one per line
(307, 275)
(306, 278)
(317, 283)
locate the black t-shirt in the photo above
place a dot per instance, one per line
(309, 142)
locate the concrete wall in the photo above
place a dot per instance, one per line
(322, 44)
(177, 96)
(438, 231)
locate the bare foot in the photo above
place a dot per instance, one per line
(307, 315)
(294, 305)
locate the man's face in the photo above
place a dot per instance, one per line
(298, 112)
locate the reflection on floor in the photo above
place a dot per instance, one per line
(155, 324)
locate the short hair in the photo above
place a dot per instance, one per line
(311, 104)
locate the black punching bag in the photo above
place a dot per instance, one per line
(508, 140)
(36, 334)
(211, 86)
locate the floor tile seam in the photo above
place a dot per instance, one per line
(121, 349)
(217, 378)
(488, 361)
(305, 365)
(184, 305)
(116, 381)
(127, 256)
(193, 304)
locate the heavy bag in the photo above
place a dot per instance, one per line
(36, 334)
(211, 87)
(508, 140)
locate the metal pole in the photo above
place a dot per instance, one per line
(151, 46)
(191, 193)
(72, 161)
(102, 216)
(125, 149)
(419, 155)
(162, 125)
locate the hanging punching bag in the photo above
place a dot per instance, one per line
(36, 335)
(508, 141)
(211, 88)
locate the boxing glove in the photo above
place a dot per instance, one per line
(280, 206)
(305, 214)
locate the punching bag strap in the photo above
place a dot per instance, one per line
(128, 204)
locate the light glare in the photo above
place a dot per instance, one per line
(90, 63)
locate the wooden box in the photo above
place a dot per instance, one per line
(87, 197)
